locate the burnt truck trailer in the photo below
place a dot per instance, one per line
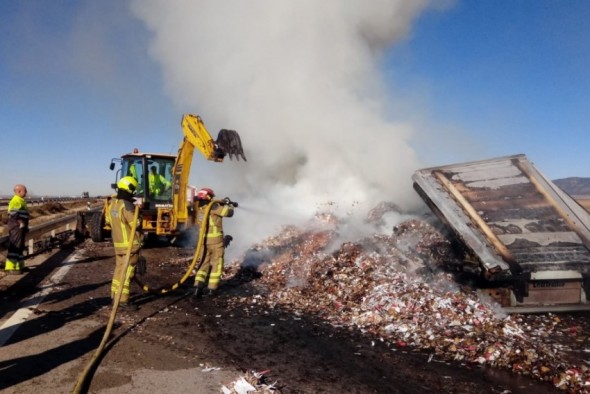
(526, 239)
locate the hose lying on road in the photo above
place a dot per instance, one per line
(82, 380)
(83, 383)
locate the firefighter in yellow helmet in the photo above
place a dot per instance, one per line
(209, 273)
(120, 217)
(18, 226)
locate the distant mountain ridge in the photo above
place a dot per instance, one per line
(574, 186)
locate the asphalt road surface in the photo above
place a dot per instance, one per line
(53, 318)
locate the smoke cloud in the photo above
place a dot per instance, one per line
(300, 82)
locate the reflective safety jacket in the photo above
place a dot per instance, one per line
(157, 183)
(120, 217)
(18, 211)
(215, 226)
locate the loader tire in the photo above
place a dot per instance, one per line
(96, 224)
(80, 232)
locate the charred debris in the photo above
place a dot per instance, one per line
(504, 239)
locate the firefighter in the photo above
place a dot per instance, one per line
(18, 227)
(120, 216)
(209, 273)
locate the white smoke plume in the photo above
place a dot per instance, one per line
(300, 82)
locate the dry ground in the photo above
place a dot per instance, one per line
(176, 332)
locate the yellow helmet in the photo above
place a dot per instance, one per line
(127, 183)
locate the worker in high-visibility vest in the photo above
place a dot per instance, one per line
(209, 273)
(18, 226)
(120, 216)
(157, 182)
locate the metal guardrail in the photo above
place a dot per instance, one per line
(44, 200)
(36, 233)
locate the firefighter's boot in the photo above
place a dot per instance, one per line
(199, 290)
(211, 292)
(128, 306)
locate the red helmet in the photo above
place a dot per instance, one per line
(205, 194)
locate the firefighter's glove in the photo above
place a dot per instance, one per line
(227, 240)
(141, 268)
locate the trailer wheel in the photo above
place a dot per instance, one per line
(96, 224)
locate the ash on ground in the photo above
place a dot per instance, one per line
(391, 287)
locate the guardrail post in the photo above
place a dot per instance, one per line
(37, 232)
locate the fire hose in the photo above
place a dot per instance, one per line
(196, 258)
(82, 380)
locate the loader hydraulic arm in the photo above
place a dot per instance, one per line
(196, 136)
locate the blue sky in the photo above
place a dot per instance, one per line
(82, 82)
(67, 105)
(512, 75)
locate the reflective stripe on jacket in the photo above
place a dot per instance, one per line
(121, 214)
(215, 225)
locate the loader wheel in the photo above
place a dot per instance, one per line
(96, 224)
(80, 232)
(151, 239)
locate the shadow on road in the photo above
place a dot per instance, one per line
(21, 369)
(53, 320)
(23, 292)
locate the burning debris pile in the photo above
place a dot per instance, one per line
(389, 287)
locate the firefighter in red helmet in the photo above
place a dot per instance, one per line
(209, 273)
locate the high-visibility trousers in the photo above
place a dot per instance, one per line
(209, 274)
(120, 263)
(15, 260)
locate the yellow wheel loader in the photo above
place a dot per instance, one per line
(163, 195)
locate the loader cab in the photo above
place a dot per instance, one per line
(154, 195)
(154, 177)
